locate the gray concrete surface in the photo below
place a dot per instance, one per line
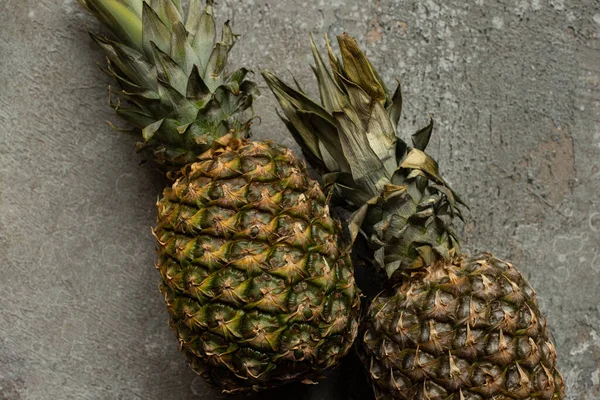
(514, 86)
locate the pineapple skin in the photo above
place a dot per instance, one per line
(469, 329)
(258, 291)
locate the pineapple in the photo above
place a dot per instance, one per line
(259, 288)
(446, 326)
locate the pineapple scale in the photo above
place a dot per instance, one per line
(257, 289)
(468, 330)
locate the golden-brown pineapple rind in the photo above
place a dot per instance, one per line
(258, 290)
(470, 329)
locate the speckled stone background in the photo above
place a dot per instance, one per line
(514, 86)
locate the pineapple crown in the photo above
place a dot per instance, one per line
(171, 71)
(399, 202)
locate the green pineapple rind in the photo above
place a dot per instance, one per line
(171, 72)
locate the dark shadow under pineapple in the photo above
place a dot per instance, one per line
(448, 326)
(256, 281)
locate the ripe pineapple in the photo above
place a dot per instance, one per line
(258, 288)
(447, 326)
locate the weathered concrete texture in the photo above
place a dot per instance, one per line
(514, 88)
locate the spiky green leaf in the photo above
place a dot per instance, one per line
(203, 34)
(382, 137)
(367, 169)
(358, 69)
(331, 95)
(196, 88)
(155, 31)
(149, 131)
(169, 71)
(421, 139)
(395, 108)
(124, 23)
